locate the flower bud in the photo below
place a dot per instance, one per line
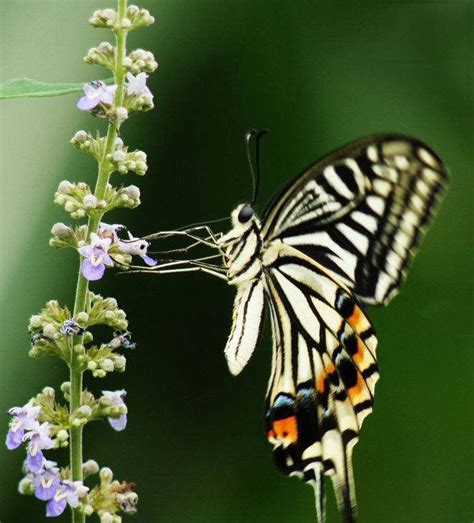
(49, 330)
(88, 510)
(36, 321)
(89, 201)
(62, 435)
(84, 411)
(61, 230)
(66, 387)
(26, 486)
(92, 365)
(65, 187)
(48, 392)
(121, 114)
(119, 156)
(106, 475)
(99, 373)
(90, 467)
(82, 317)
(107, 365)
(106, 517)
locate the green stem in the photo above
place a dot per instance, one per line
(82, 288)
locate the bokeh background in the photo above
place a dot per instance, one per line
(318, 74)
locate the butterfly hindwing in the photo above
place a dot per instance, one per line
(362, 211)
(323, 375)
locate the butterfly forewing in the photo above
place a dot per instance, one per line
(362, 211)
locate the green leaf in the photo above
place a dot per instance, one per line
(23, 88)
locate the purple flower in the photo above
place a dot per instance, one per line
(47, 481)
(96, 93)
(137, 84)
(115, 399)
(68, 492)
(137, 247)
(38, 439)
(24, 418)
(71, 328)
(96, 257)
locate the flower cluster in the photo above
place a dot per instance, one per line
(99, 97)
(42, 424)
(45, 423)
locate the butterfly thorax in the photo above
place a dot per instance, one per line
(242, 247)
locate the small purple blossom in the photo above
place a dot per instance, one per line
(67, 493)
(24, 418)
(96, 93)
(71, 328)
(96, 257)
(137, 247)
(38, 439)
(137, 85)
(115, 399)
(47, 481)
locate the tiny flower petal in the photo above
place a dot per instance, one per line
(14, 438)
(92, 272)
(118, 424)
(86, 104)
(34, 463)
(148, 260)
(55, 507)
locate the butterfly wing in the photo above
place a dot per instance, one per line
(324, 372)
(247, 323)
(362, 211)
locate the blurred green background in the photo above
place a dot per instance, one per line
(318, 74)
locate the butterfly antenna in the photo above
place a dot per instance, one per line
(254, 136)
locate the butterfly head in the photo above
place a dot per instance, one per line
(242, 216)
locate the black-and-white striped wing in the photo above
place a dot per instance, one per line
(362, 211)
(324, 372)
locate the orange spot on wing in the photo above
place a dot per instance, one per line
(358, 388)
(359, 356)
(320, 383)
(286, 429)
(355, 318)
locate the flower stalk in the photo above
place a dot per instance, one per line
(44, 423)
(104, 172)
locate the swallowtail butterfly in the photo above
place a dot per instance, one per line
(338, 237)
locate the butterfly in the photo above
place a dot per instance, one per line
(338, 237)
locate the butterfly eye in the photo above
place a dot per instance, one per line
(245, 214)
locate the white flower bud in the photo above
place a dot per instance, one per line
(121, 114)
(106, 518)
(89, 201)
(82, 317)
(61, 230)
(90, 467)
(106, 475)
(120, 362)
(109, 315)
(70, 206)
(48, 392)
(92, 365)
(127, 62)
(62, 435)
(122, 169)
(119, 156)
(99, 373)
(132, 10)
(76, 422)
(66, 387)
(36, 321)
(132, 191)
(49, 330)
(118, 143)
(88, 510)
(107, 365)
(84, 411)
(141, 168)
(80, 136)
(26, 486)
(65, 187)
